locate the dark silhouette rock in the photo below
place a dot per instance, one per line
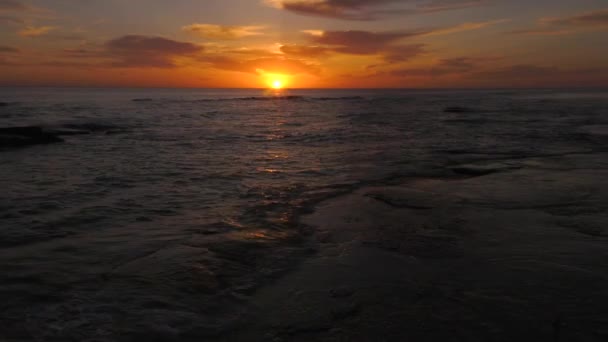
(90, 126)
(11, 137)
(67, 131)
(474, 171)
(457, 110)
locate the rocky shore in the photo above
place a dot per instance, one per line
(25, 136)
(514, 254)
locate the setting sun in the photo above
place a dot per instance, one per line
(277, 84)
(276, 81)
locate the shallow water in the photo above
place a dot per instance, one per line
(182, 202)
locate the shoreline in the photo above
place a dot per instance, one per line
(514, 254)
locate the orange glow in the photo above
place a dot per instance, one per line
(277, 84)
(258, 50)
(276, 81)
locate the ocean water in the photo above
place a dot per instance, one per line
(179, 204)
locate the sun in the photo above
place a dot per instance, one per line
(276, 81)
(277, 84)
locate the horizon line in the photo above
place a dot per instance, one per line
(294, 89)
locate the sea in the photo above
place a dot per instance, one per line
(165, 209)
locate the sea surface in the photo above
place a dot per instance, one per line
(178, 204)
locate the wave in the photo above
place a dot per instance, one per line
(255, 98)
(340, 98)
(458, 109)
(270, 98)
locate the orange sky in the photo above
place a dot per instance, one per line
(304, 43)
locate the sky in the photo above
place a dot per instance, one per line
(304, 43)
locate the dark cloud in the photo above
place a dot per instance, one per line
(17, 13)
(145, 51)
(448, 66)
(369, 9)
(81, 53)
(481, 71)
(357, 43)
(360, 42)
(13, 5)
(5, 19)
(546, 31)
(388, 44)
(305, 51)
(403, 53)
(530, 75)
(519, 71)
(257, 53)
(223, 32)
(595, 20)
(8, 49)
(157, 52)
(273, 65)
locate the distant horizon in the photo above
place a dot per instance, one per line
(288, 89)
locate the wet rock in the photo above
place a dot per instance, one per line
(67, 132)
(484, 169)
(91, 127)
(341, 292)
(115, 131)
(344, 311)
(405, 198)
(474, 171)
(457, 109)
(11, 137)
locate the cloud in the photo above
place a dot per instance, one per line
(533, 75)
(594, 20)
(542, 32)
(14, 12)
(403, 53)
(530, 75)
(221, 32)
(304, 51)
(483, 72)
(5, 19)
(519, 71)
(8, 49)
(272, 65)
(386, 43)
(360, 42)
(146, 51)
(357, 43)
(12, 5)
(33, 31)
(249, 52)
(81, 53)
(369, 9)
(465, 27)
(444, 67)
